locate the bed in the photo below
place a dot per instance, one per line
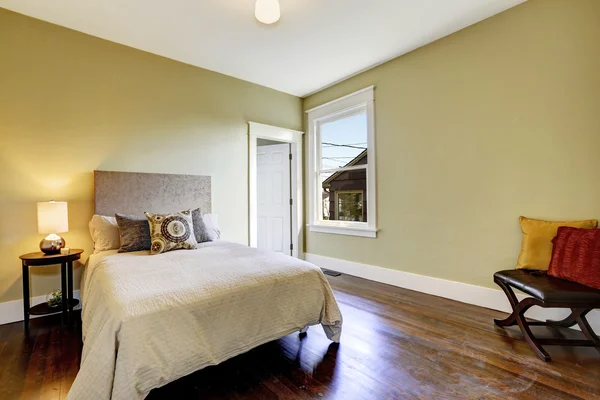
(149, 320)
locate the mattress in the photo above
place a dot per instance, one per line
(149, 320)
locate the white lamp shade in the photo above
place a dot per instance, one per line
(267, 11)
(52, 217)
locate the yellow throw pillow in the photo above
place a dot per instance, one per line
(536, 245)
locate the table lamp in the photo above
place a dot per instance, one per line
(53, 218)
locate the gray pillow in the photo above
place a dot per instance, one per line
(134, 232)
(200, 230)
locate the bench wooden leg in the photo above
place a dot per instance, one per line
(514, 303)
(587, 329)
(518, 317)
(533, 343)
(570, 321)
(518, 311)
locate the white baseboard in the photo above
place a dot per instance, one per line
(12, 311)
(463, 292)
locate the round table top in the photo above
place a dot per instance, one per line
(38, 255)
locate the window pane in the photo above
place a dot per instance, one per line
(349, 206)
(344, 195)
(344, 142)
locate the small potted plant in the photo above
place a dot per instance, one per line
(54, 299)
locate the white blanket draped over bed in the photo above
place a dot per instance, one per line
(149, 320)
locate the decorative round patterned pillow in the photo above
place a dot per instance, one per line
(171, 232)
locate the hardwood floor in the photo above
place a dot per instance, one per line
(396, 344)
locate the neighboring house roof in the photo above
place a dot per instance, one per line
(355, 160)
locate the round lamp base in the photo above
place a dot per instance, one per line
(52, 245)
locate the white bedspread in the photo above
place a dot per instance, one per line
(149, 320)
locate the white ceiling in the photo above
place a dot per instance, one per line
(315, 44)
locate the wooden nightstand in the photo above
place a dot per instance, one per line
(66, 279)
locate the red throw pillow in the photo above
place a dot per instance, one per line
(576, 256)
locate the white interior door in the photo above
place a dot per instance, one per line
(273, 187)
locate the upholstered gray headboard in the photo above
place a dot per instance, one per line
(134, 193)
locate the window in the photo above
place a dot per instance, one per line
(349, 205)
(342, 166)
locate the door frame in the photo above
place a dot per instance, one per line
(261, 131)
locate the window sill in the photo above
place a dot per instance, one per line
(343, 230)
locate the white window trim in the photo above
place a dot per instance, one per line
(361, 100)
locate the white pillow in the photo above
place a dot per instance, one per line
(212, 226)
(105, 233)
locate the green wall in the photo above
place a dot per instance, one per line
(498, 120)
(71, 103)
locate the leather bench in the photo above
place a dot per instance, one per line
(548, 292)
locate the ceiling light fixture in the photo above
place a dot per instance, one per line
(267, 11)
